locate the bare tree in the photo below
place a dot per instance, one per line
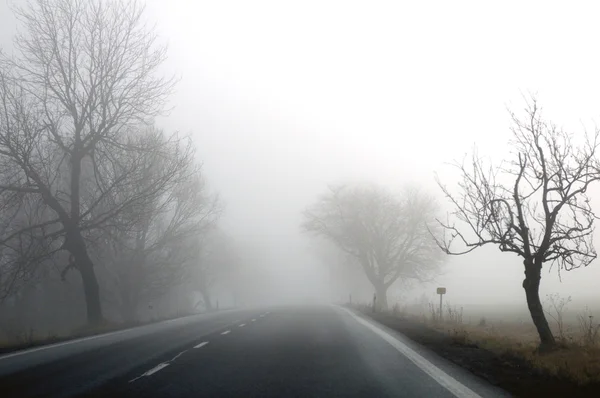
(85, 78)
(153, 247)
(534, 205)
(215, 263)
(388, 235)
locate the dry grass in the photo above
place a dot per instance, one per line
(577, 358)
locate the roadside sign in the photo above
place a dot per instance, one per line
(441, 291)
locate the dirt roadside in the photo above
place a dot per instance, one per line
(513, 374)
(85, 331)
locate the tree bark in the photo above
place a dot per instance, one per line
(381, 298)
(91, 290)
(76, 246)
(531, 284)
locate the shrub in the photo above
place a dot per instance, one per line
(589, 330)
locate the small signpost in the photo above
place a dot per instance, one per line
(441, 291)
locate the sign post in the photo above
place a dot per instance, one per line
(441, 291)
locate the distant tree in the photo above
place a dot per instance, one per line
(83, 81)
(149, 248)
(215, 263)
(534, 205)
(387, 234)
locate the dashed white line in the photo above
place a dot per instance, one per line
(254, 320)
(242, 325)
(201, 344)
(152, 371)
(177, 356)
(226, 332)
(262, 315)
(158, 367)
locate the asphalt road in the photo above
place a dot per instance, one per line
(318, 351)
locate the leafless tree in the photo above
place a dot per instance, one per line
(83, 82)
(534, 205)
(215, 263)
(153, 247)
(388, 235)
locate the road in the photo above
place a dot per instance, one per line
(309, 351)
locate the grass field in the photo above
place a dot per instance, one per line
(577, 357)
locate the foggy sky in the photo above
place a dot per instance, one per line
(282, 99)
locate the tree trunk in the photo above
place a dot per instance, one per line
(206, 298)
(531, 284)
(91, 289)
(76, 246)
(381, 297)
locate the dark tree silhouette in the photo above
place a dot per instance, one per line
(534, 205)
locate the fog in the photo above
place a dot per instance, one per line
(283, 99)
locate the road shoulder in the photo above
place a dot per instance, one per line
(510, 373)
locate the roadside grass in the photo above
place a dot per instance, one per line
(576, 358)
(571, 360)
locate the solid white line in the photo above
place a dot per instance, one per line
(64, 343)
(201, 344)
(151, 371)
(226, 332)
(254, 320)
(242, 325)
(445, 380)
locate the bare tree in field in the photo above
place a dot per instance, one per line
(84, 79)
(534, 205)
(387, 235)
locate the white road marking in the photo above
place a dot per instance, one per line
(177, 356)
(254, 320)
(445, 380)
(156, 369)
(201, 344)
(226, 332)
(242, 325)
(262, 315)
(64, 343)
(152, 371)
(159, 366)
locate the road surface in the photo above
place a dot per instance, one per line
(317, 351)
